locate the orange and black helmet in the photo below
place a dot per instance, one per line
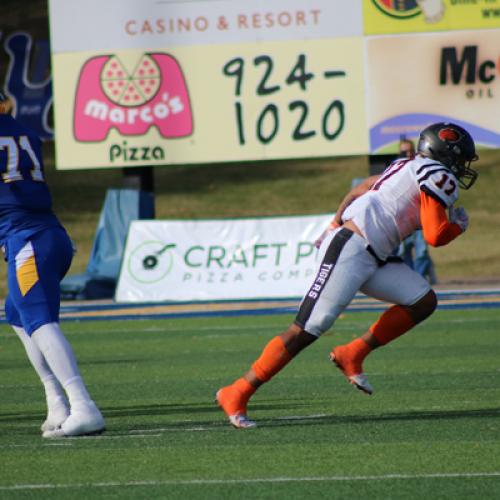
(453, 146)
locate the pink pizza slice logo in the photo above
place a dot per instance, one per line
(110, 96)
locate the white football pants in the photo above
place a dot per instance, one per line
(347, 267)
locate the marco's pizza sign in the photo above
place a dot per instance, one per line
(112, 94)
(315, 84)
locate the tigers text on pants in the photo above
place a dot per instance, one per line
(347, 267)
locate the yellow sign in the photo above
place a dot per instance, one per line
(407, 16)
(417, 80)
(198, 104)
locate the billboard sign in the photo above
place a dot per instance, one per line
(219, 259)
(407, 16)
(149, 82)
(197, 82)
(415, 81)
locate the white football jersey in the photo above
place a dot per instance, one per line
(390, 211)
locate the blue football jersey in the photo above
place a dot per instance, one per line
(25, 201)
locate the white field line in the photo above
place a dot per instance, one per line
(57, 443)
(188, 482)
(69, 441)
(147, 432)
(166, 329)
(341, 324)
(35, 444)
(106, 438)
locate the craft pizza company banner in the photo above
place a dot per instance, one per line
(406, 16)
(196, 82)
(415, 81)
(219, 259)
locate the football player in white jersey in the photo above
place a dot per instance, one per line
(355, 253)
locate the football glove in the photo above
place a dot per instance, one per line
(459, 216)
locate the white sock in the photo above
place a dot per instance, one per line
(53, 388)
(58, 353)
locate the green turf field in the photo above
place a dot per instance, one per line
(431, 430)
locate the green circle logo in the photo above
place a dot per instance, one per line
(151, 261)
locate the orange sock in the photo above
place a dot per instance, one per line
(273, 358)
(243, 386)
(392, 324)
(358, 349)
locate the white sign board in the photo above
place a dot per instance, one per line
(165, 82)
(90, 25)
(219, 259)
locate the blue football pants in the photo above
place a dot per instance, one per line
(36, 266)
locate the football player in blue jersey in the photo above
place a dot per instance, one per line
(38, 253)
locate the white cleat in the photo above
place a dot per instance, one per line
(361, 383)
(234, 409)
(241, 422)
(359, 380)
(58, 412)
(85, 419)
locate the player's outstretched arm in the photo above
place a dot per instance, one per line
(438, 230)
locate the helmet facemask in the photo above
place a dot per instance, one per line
(464, 173)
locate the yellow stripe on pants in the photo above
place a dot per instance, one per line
(27, 275)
